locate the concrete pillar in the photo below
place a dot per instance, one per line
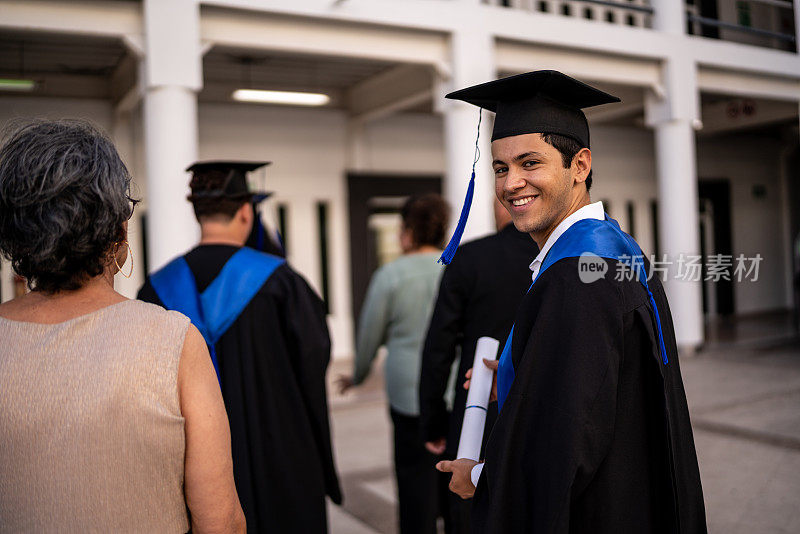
(669, 16)
(472, 62)
(6, 280)
(173, 76)
(797, 25)
(674, 117)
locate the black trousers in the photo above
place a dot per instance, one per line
(460, 516)
(421, 489)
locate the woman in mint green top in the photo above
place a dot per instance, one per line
(396, 311)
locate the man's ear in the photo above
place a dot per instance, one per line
(245, 213)
(581, 165)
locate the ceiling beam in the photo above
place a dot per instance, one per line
(390, 91)
(124, 78)
(747, 84)
(112, 19)
(260, 31)
(515, 57)
(615, 112)
(390, 108)
(745, 113)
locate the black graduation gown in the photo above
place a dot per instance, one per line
(594, 435)
(478, 296)
(272, 364)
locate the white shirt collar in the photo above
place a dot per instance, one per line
(590, 211)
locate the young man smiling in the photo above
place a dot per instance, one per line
(593, 433)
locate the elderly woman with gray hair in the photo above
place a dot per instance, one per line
(111, 418)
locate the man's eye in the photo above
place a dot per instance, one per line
(500, 170)
(530, 163)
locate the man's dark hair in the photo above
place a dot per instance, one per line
(426, 216)
(569, 148)
(64, 197)
(214, 207)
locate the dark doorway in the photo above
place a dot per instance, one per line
(371, 194)
(715, 238)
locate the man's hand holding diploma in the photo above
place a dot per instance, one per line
(491, 364)
(461, 482)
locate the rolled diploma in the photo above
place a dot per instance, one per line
(480, 387)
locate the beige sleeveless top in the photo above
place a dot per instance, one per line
(91, 432)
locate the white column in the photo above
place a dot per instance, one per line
(673, 116)
(173, 76)
(6, 280)
(797, 25)
(669, 16)
(472, 62)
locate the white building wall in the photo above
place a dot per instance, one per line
(756, 223)
(623, 164)
(411, 143)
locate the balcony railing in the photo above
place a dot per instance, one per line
(768, 23)
(624, 12)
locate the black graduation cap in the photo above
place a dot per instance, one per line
(543, 101)
(536, 102)
(235, 184)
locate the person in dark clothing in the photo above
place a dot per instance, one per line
(478, 296)
(593, 432)
(269, 343)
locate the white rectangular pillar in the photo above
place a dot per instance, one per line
(6, 280)
(797, 26)
(669, 16)
(472, 63)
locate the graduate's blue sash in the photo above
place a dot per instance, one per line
(600, 238)
(214, 310)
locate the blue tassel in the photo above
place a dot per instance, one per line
(452, 246)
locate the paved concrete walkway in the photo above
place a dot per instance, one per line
(745, 406)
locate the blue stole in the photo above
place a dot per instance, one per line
(214, 310)
(600, 238)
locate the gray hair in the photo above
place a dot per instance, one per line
(64, 196)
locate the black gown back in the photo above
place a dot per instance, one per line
(272, 364)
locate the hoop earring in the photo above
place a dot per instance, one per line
(130, 256)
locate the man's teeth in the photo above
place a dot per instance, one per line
(522, 201)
